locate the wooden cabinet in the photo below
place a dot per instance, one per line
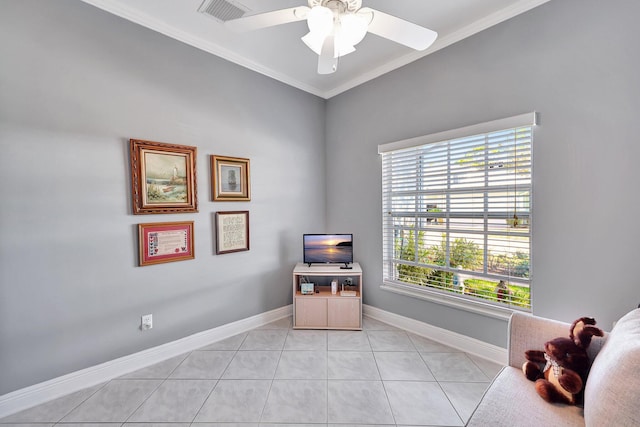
(344, 312)
(322, 309)
(311, 312)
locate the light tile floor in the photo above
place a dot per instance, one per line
(276, 376)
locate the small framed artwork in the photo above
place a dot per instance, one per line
(230, 179)
(165, 242)
(232, 232)
(163, 177)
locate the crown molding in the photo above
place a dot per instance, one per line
(147, 21)
(440, 43)
(144, 20)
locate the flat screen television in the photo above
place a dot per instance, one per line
(328, 249)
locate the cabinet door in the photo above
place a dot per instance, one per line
(311, 311)
(344, 312)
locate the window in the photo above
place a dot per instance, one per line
(457, 213)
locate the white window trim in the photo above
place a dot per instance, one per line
(527, 119)
(448, 299)
(442, 297)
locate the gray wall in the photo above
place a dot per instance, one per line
(75, 84)
(577, 63)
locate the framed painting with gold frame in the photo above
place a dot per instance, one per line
(163, 178)
(230, 179)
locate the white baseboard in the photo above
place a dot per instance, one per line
(452, 339)
(36, 394)
(57, 387)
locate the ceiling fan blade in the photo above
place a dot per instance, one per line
(399, 30)
(327, 62)
(268, 19)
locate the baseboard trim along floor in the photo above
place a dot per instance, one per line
(57, 387)
(461, 342)
(36, 394)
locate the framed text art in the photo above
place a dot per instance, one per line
(232, 232)
(230, 179)
(165, 242)
(163, 177)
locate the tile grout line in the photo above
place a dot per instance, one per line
(450, 402)
(327, 378)
(217, 380)
(384, 387)
(84, 400)
(147, 398)
(266, 400)
(439, 382)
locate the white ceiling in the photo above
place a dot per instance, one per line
(279, 53)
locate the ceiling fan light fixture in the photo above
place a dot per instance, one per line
(353, 28)
(314, 41)
(337, 26)
(344, 48)
(348, 29)
(320, 21)
(342, 43)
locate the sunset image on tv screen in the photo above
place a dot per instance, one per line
(328, 248)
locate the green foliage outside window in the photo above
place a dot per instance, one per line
(518, 295)
(464, 254)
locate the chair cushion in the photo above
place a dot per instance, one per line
(511, 400)
(612, 392)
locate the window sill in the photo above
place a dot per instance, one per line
(450, 300)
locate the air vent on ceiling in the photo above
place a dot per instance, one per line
(223, 10)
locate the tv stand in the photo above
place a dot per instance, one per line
(323, 309)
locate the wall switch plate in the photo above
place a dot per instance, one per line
(146, 322)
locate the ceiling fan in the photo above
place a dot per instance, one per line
(337, 26)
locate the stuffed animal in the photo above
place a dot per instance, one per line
(560, 371)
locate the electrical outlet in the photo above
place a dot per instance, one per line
(146, 322)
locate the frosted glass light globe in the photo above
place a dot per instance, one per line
(354, 28)
(320, 20)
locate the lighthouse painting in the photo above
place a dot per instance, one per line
(163, 177)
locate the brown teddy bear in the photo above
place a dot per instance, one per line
(565, 362)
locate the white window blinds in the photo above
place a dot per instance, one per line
(457, 212)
